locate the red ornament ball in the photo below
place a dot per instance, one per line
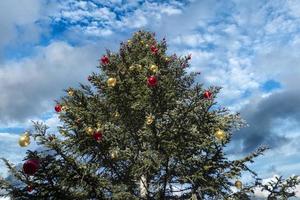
(152, 81)
(207, 94)
(29, 188)
(58, 108)
(31, 166)
(97, 135)
(154, 49)
(104, 60)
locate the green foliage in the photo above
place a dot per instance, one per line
(178, 150)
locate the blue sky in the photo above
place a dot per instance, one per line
(250, 48)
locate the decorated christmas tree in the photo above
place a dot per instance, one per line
(143, 128)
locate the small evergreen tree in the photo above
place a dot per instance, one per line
(143, 129)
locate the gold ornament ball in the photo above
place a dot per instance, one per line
(24, 140)
(89, 130)
(142, 41)
(167, 59)
(220, 135)
(114, 154)
(131, 68)
(139, 67)
(149, 119)
(238, 184)
(111, 82)
(154, 68)
(71, 93)
(117, 114)
(147, 45)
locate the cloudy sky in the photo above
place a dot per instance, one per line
(250, 48)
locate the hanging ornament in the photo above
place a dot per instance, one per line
(116, 114)
(89, 78)
(111, 82)
(31, 166)
(58, 108)
(138, 67)
(131, 68)
(154, 50)
(167, 59)
(24, 140)
(114, 153)
(89, 130)
(142, 42)
(154, 68)
(29, 188)
(97, 136)
(207, 94)
(152, 81)
(149, 119)
(104, 60)
(129, 42)
(238, 184)
(71, 92)
(220, 134)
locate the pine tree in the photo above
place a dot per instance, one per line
(143, 128)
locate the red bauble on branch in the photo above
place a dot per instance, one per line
(154, 49)
(152, 81)
(29, 188)
(207, 94)
(97, 136)
(58, 108)
(31, 166)
(104, 60)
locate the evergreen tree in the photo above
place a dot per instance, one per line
(142, 129)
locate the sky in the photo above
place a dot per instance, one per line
(249, 48)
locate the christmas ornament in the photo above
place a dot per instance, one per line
(89, 78)
(149, 119)
(97, 135)
(131, 68)
(71, 93)
(31, 166)
(147, 45)
(104, 60)
(238, 184)
(129, 41)
(138, 67)
(29, 188)
(114, 153)
(154, 68)
(142, 42)
(220, 135)
(64, 108)
(117, 114)
(58, 108)
(154, 50)
(152, 81)
(24, 140)
(207, 94)
(167, 59)
(89, 130)
(111, 82)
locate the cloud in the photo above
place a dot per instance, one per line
(30, 84)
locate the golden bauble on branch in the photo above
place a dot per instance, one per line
(138, 67)
(131, 68)
(220, 135)
(116, 114)
(154, 68)
(89, 130)
(71, 92)
(114, 153)
(238, 184)
(149, 119)
(111, 82)
(24, 139)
